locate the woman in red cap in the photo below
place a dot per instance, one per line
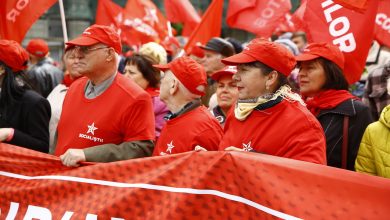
(24, 115)
(325, 90)
(226, 93)
(269, 118)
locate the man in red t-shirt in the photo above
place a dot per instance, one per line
(105, 117)
(190, 124)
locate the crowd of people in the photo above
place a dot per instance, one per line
(282, 97)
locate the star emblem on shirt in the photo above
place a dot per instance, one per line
(92, 128)
(247, 147)
(170, 146)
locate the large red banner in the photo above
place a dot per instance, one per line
(193, 185)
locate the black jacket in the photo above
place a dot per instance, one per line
(332, 122)
(44, 76)
(30, 118)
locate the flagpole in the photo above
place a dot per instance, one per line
(64, 31)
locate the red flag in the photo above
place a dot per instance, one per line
(382, 27)
(146, 18)
(257, 16)
(131, 31)
(182, 11)
(17, 16)
(356, 5)
(352, 32)
(209, 26)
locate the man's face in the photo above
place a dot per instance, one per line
(88, 60)
(166, 84)
(212, 62)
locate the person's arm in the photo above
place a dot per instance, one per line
(123, 151)
(108, 152)
(36, 135)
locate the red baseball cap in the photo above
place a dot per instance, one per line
(226, 71)
(274, 55)
(189, 72)
(98, 34)
(13, 55)
(37, 47)
(325, 50)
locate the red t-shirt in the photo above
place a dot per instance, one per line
(122, 113)
(182, 134)
(287, 129)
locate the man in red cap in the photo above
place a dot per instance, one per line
(269, 118)
(227, 93)
(43, 75)
(189, 124)
(105, 117)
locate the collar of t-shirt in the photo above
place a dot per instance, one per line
(92, 91)
(188, 107)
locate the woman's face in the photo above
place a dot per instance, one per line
(133, 73)
(311, 78)
(250, 82)
(227, 92)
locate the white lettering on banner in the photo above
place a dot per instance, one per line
(339, 27)
(268, 12)
(41, 213)
(171, 189)
(20, 5)
(383, 21)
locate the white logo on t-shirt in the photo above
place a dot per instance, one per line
(247, 147)
(92, 128)
(170, 146)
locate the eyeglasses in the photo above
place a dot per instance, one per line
(85, 49)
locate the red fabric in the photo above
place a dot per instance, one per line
(327, 100)
(13, 55)
(106, 118)
(98, 34)
(287, 129)
(144, 17)
(267, 52)
(192, 185)
(189, 72)
(182, 11)
(136, 23)
(353, 33)
(210, 26)
(153, 92)
(382, 27)
(285, 24)
(356, 5)
(260, 17)
(17, 16)
(68, 80)
(182, 134)
(37, 47)
(226, 71)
